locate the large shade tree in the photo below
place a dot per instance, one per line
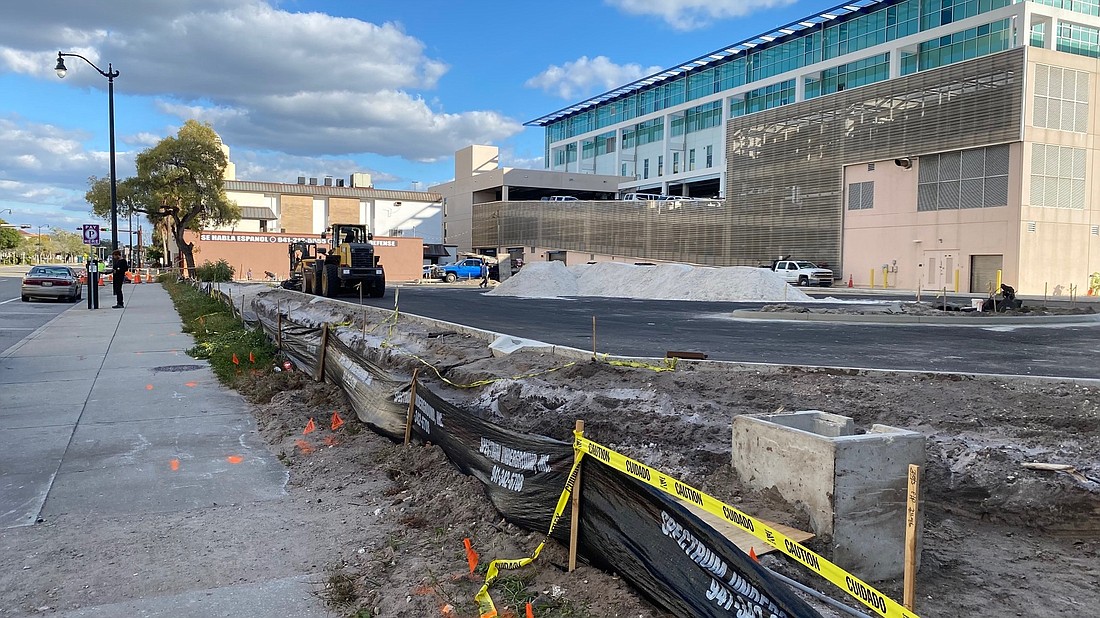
(180, 186)
(9, 237)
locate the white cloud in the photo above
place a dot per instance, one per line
(265, 78)
(583, 76)
(279, 167)
(684, 15)
(34, 152)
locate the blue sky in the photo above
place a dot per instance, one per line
(316, 88)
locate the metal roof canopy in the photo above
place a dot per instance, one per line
(767, 39)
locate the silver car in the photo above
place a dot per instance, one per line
(50, 281)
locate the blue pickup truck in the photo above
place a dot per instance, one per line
(470, 268)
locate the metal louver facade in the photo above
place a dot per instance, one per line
(784, 188)
(785, 165)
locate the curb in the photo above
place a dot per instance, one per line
(980, 321)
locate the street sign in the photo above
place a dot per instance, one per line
(91, 234)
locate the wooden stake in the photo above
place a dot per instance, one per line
(412, 408)
(574, 516)
(593, 336)
(320, 375)
(279, 326)
(912, 505)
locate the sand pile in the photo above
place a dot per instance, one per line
(664, 282)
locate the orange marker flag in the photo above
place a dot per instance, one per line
(310, 427)
(752, 554)
(530, 613)
(337, 422)
(236, 361)
(471, 555)
(251, 357)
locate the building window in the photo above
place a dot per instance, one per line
(1087, 7)
(675, 163)
(263, 225)
(710, 156)
(966, 44)
(660, 165)
(691, 160)
(767, 97)
(1080, 40)
(624, 170)
(861, 195)
(1061, 99)
(645, 168)
(850, 75)
(1057, 177)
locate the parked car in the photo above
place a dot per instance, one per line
(801, 272)
(469, 268)
(52, 281)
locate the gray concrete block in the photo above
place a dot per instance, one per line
(853, 485)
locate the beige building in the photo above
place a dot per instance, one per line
(909, 143)
(479, 179)
(274, 214)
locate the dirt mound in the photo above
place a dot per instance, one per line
(664, 282)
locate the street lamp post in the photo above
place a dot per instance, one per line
(40, 242)
(110, 74)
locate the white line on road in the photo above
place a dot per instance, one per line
(10, 300)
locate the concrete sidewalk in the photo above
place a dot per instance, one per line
(102, 414)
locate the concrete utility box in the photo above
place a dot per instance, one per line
(854, 485)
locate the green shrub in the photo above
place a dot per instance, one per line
(219, 271)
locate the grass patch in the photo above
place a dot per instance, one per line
(219, 335)
(514, 591)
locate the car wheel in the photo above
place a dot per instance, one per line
(803, 281)
(26, 298)
(450, 277)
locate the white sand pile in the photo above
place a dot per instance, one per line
(664, 282)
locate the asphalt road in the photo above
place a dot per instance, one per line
(19, 319)
(649, 328)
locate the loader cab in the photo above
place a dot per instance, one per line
(348, 234)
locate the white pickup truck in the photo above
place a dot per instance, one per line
(801, 272)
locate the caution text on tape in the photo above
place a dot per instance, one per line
(852, 585)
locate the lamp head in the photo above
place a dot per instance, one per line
(60, 68)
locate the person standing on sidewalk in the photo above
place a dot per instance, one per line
(118, 275)
(484, 275)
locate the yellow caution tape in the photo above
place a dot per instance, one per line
(860, 590)
(669, 365)
(484, 601)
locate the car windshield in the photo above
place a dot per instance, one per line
(807, 265)
(45, 271)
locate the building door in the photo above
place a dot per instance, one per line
(983, 272)
(939, 270)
